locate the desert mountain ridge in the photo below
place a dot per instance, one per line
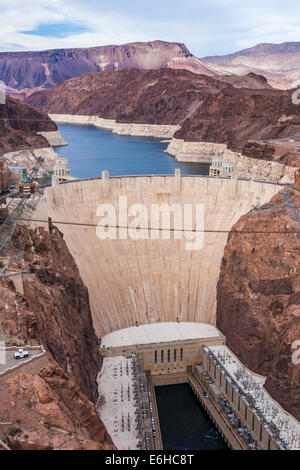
(24, 72)
(279, 63)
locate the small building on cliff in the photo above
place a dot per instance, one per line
(220, 167)
(61, 169)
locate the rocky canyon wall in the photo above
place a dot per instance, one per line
(26, 134)
(59, 302)
(28, 159)
(20, 124)
(45, 410)
(130, 96)
(258, 295)
(51, 398)
(245, 167)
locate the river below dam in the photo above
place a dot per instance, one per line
(91, 150)
(184, 422)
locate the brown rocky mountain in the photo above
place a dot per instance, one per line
(19, 124)
(279, 63)
(59, 304)
(237, 116)
(23, 72)
(46, 410)
(258, 296)
(206, 108)
(51, 395)
(33, 70)
(250, 80)
(143, 96)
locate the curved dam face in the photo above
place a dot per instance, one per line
(142, 281)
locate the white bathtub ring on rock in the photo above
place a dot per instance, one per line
(2, 93)
(296, 96)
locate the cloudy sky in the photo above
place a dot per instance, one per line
(207, 27)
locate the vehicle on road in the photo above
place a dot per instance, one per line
(21, 354)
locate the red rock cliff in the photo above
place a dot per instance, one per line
(162, 96)
(19, 124)
(57, 305)
(51, 398)
(258, 296)
(47, 410)
(237, 116)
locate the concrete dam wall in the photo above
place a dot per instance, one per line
(151, 280)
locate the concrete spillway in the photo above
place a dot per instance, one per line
(143, 281)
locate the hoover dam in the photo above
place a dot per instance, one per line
(148, 251)
(134, 282)
(152, 294)
(149, 244)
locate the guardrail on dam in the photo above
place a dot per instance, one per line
(133, 282)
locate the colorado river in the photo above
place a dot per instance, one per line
(91, 150)
(184, 422)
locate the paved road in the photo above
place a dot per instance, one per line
(7, 359)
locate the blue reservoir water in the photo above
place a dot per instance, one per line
(92, 150)
(184, 422)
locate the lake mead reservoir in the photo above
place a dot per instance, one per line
(91, 150)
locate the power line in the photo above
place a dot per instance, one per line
(85, 224)
(129, 156)
(26, 119)
(210, 116)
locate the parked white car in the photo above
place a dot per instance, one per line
(21, 354)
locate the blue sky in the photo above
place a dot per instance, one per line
(207, 27)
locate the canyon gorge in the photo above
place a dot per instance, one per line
(51, 399)
(245, 280)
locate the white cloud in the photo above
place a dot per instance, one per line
(104, 27)
(207, 27)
